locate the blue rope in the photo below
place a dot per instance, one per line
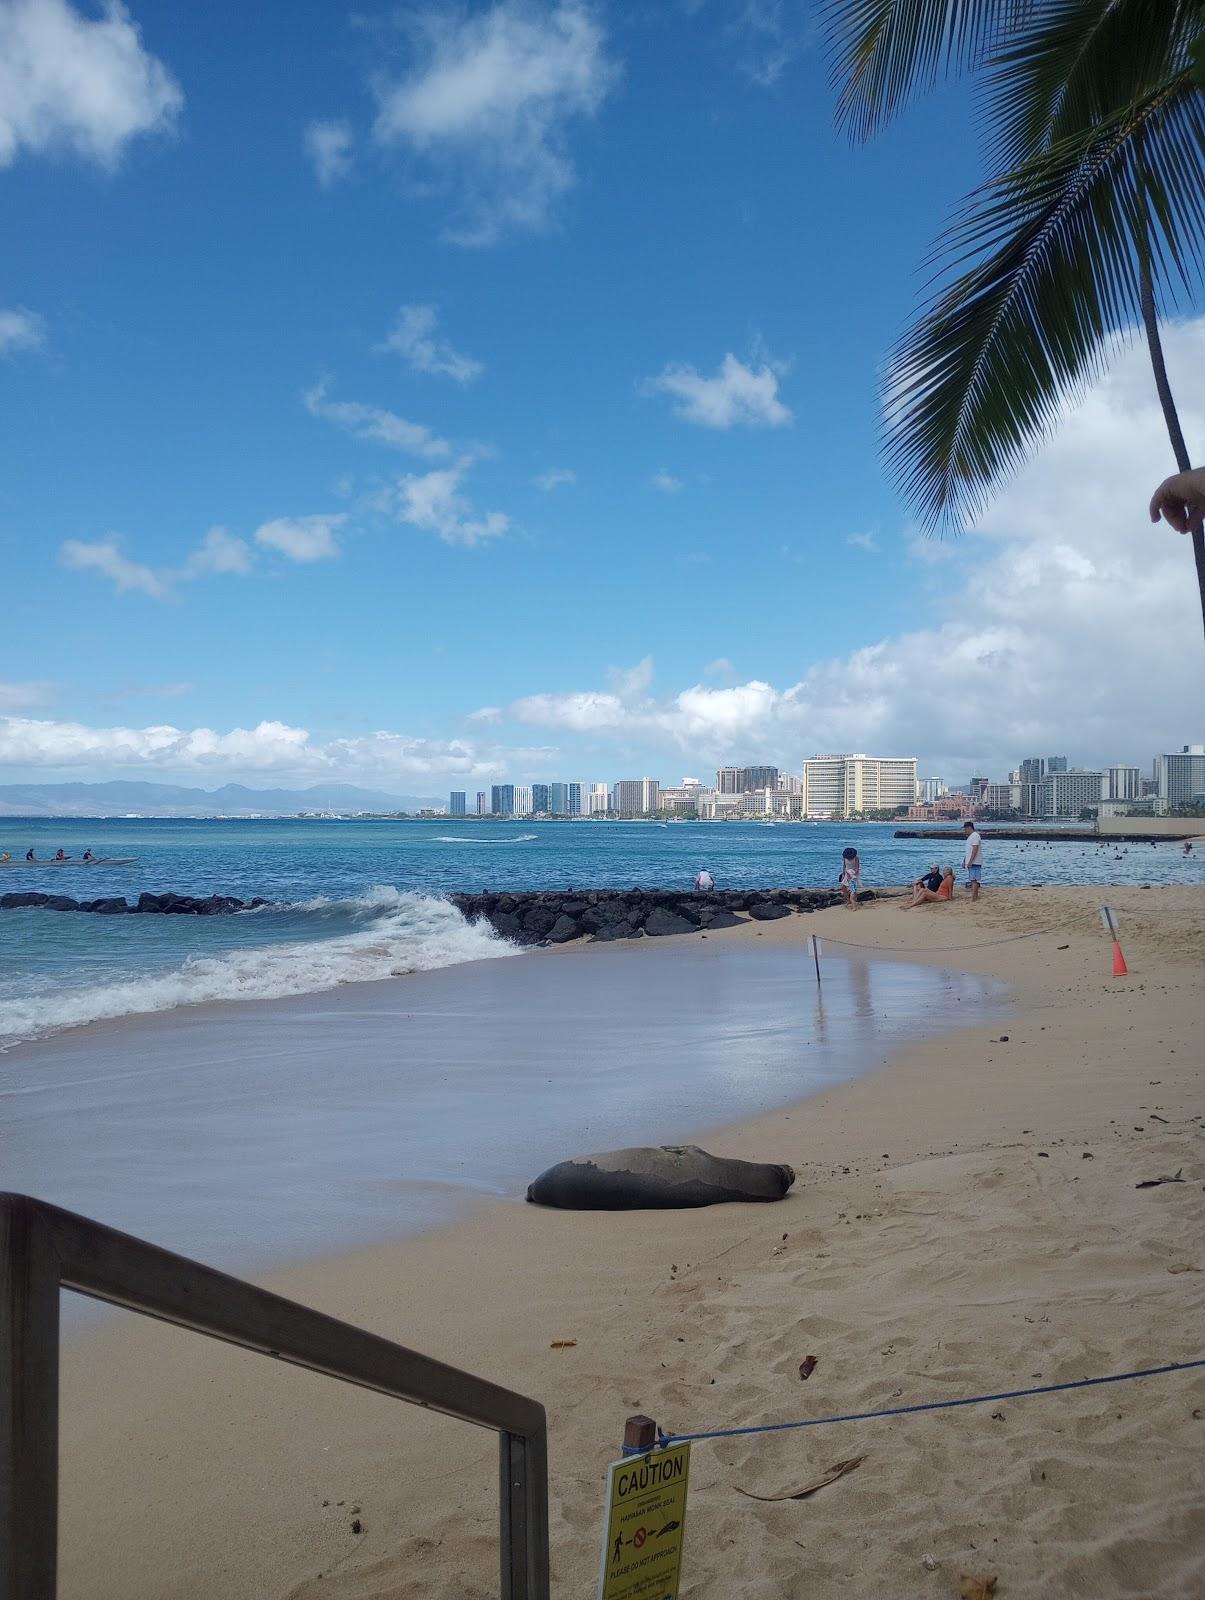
(665, 1439)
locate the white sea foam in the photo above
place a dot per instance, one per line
(394, 933)
(514, 838)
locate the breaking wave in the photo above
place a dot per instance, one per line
(456, 838)
(385, 933)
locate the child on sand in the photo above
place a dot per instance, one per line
(850, 880)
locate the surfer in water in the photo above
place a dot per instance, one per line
(29, 855)
(87, 855)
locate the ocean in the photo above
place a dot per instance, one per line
(359, 900)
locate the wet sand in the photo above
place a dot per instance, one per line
(965, 1219)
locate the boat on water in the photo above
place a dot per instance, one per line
(77, 861)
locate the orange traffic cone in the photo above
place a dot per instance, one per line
(1120, 970)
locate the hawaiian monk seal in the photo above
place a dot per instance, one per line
(668, 1177)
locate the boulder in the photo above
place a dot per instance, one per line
(564, 929)
(721, 919)
(60, 902)
(668, 1177)
(661, 922)
(538, 922)
(768, 911)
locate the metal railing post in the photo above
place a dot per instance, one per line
(523, 1508)
(29, 1403)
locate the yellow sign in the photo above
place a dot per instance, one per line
(646, 1521)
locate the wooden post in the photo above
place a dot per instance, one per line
(639, 1433)
(816, 955)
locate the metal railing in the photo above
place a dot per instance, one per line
(44, 1249)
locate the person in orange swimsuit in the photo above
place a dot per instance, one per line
(928, 897)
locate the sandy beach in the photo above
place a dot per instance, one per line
(965, 1220)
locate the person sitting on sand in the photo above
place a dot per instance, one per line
(850, 880)
(930, 880)
(930, 897)
(704, 883)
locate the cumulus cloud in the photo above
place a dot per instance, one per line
(553, 478)
(375, 424)
(106, 557)
(486, 714)
(414, 338)
(737, 396)
(435, 502)
(329, 148)
(488, 106)
(219, 552)
(80, 85)
(302, 539)
(270, 747)
(18, 696)
(20, 329)
(1071, 624)
(866, 540)
(666, 482)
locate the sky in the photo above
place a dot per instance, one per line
(430, 396)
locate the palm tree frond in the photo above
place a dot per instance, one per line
(1074, 62)
(881, 51)
(1052, 282)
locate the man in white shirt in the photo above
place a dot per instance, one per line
(972, 859)
(704, 883)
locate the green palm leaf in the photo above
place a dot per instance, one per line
(1053, 283)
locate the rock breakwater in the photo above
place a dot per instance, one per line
(537, 917)
(186, 905)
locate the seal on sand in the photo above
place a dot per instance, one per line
(665, 1178)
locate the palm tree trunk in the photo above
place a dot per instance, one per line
(1174, 432)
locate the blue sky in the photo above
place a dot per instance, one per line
(525, 358)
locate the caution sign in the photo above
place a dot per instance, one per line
(645, 1523)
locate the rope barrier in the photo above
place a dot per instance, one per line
(940, 949)
(665, 1439)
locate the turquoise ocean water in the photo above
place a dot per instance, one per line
(359, 900)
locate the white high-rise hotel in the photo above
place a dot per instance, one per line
(838, 785)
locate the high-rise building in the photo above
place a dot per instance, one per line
(758, 778)
(483, 803)
(1056, 763)
(574, 806)
(1123, 783)
(977, 787)
(1033, 769)
(523, 800)
(730, 780)
(636, 797)
(931, 789)
(1065, 794)
(1181, 777)
(541, 799)
(456, 803)
(838, 785)
(558, 799)
(599, 799)
(502, 800)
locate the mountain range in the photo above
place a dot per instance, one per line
(119, 799)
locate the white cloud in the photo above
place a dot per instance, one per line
(219, 552)
(666, 482)
(414, 339)
(105, 556)
(78, 84)
(375, 424)
(490, 103)
(18, 696)
(329, 148)
(271, 747)
(721, 667)
(738, 395)
(553, 478)
(434, 502)
(866, 540)
(769, 35)
(20, 329)
(486, 714)
(1072, 624)
(302, 539)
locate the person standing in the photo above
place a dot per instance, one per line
(972, 858)
(704, 883)
(850, 880)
